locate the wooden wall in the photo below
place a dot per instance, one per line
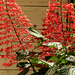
(35, 9)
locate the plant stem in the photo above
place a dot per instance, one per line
(52, 70)
(32, 66)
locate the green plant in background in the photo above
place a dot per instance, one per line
(74, 2)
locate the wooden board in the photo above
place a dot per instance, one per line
(35, 14)
(15, 72)
(35, 10)
(34, 3)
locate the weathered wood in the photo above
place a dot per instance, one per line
(35, 10)
(14, 71)
(34, 3)
(35, 14)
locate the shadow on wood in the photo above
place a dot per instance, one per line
(24, 72)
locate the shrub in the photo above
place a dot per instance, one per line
(56, 39)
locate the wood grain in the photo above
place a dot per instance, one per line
(15, 72)
(33, 2)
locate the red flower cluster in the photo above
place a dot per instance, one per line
(55, 28)
(13, 31)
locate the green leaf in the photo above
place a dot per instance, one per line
(42, 40)
(31, 29)
(74, 2)
(68, 46)
(36, 61)
(39, 44)
(52, 70)
(60, 53)
(40, 61)
(19, 50)
(35, 33)
(71, 53)
(54, 58)
(71, 58)
(71, 71)
(21, 55)
(53, 44)
(66, 71)
(60, 59)
(23, 64)
(47, 58)
(18, 35)
(62, 71)
(64, 61)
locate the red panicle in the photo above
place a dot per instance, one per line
(13, 28)
(55, 29)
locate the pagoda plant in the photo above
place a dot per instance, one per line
(56, 41)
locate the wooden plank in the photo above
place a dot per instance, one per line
(9, 72)
(33, 9)
(36, 3)
(33, 2)
(15, 72)
(35, 14)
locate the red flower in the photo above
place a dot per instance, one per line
(13, 28)
(54, 28)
